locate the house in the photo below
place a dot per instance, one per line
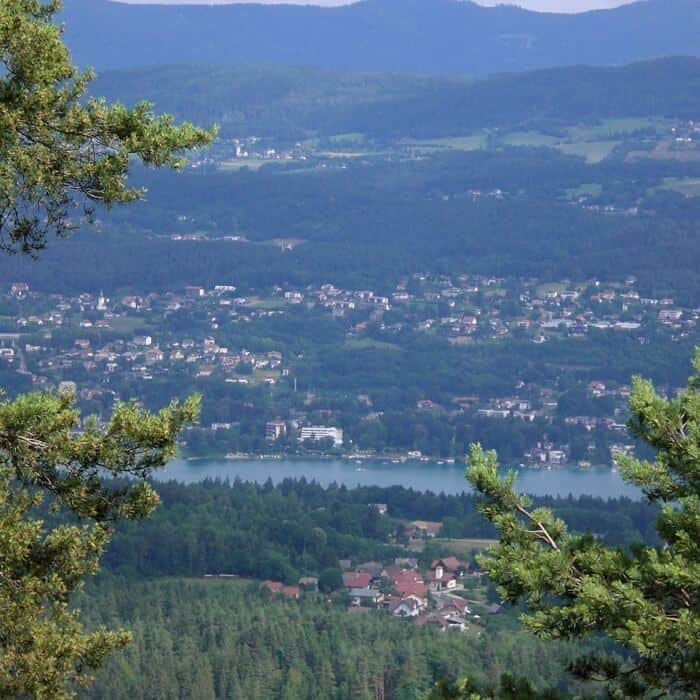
(373, 568)
(442, 580)
(406, 582)
(277, 587)
(444, 573)
(442, 621)
(366, 597)
(273, 586)
(132, 302)
(453, 604)
(410, 606)
(274, 430)
(308, 583)
(19, 289)
(381, 508)
(433, 620)
(356, 579)
(423, 529)
(321, 432)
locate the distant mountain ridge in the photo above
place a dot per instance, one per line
(429, 37)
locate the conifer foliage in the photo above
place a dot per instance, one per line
(60, 154)
(646, 599)
(43, 649)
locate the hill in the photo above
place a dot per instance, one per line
(295, 101)
(427, 37)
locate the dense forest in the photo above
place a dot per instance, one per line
(202, 638)
(299, 528)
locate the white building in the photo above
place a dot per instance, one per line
(321, 432)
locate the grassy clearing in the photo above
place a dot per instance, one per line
(612, 127)
(348, 154)
(466, 545)
(239, 164)
(689, 186)
(470, 142)
(369, 344)
(271, 304)
(349, 140)
(529, 138)
(592, 151)
(260, 376)
(126, 324)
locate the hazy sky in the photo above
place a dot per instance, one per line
(542, 5)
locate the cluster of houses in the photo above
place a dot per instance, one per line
(401, 590)
(130, 339)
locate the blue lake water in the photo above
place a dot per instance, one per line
(423, 476)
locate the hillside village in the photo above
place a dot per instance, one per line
(434, 597)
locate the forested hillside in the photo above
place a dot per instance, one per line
(299, 528)
(295, 102)
(197, 637)
(368, 223)
(225, 640)
(411, 36)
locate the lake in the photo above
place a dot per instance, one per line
(423, 476)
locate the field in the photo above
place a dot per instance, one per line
(468, 142)
(126, 324)
(461, 547)
(369, 344)
(592, 151)
(690, 187)
(593, 142)
(529, 138)
(271, 304)
(239, 164)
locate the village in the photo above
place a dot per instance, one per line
(108, 348)
(445, 594)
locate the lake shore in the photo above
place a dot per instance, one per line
(422, 476)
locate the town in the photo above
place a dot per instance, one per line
(274, 390)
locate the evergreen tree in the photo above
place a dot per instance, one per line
(60, 155)
(42, 645)
(646, 599)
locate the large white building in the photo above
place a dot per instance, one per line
(320, 432)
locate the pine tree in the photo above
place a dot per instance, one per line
(60, 155)
(647, 599)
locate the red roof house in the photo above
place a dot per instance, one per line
(356, 579)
